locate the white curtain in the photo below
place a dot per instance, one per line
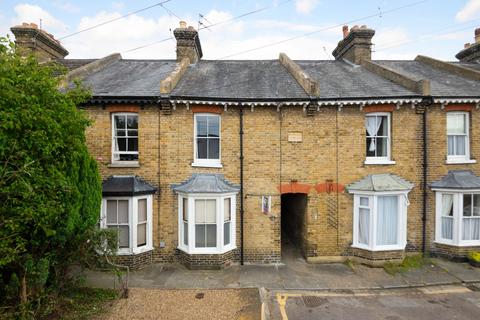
(447, 218)
(363, 225)
(471, 229)
(387, 220)
(372, 124)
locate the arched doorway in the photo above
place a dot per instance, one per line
(293, 211)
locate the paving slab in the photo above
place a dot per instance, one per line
(380, 278)
(429, 275)
(463, 271)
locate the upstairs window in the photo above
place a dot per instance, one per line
(377, 126)
(457, 137)
(207, 140)
(125, 137)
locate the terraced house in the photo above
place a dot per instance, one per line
(217, 162)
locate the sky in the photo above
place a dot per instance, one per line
(303, 29)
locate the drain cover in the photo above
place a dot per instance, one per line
(313, 301)
(200, 295)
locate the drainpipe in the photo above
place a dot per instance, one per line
(241, 185)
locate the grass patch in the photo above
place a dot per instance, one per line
(76, 303)
(349, 263)
(408, 263)
(474, 256)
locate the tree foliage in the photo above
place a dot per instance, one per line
(50, 188)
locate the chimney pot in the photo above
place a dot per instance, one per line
(345, 31)
(477, 35)
(183, 24)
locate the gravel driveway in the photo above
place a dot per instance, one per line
(187, 304)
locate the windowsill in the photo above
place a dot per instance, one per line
(129, 251)
(379, 161)
(207, 164)
(126, 164)
(460, 161)
(207, 250)
(380, 248)
(464, 243)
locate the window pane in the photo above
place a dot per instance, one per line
(471, 229)
(200, 230)
(213, 148)
(133, 144)
(121, 144)
(211, 211)
(202, 148)
(447, 205)
(121, 133)
(447, 228)
(226, 233)
(467, 205)
(456, 123)
(371, 147)
(111, 211)
(387, 224)
(185, 233)
(211, 235)
(142, 210)
(214, 126)
(382, 147)
(363, 226)
(226, 209)
(451, 145)
(364, 201)
(123, 237)
(476, 205)
(383, 123)
(460, 143)
(185, 209)
(120, 122)
(201, 126)
(199, 211)
(122, 211)
(132, 133)
(141, 234)
(132, 122)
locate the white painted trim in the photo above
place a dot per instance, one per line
(381, 160)
(378, 161)
(461, 159)
(114, 162)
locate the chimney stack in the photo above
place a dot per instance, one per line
(30, 39)
(471, 51)
(188, 43)
(356, 44)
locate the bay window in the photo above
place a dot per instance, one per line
(125, 137)
(378, 138)
(207, 140)
(458, 144)
(206, 223)
(131, 217)
(380, 221)
(458, 217)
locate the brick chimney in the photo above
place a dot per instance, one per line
(471, 52)
(30, 39)
(188, 43)
(355, 45)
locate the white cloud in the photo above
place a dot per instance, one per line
(33, 13)
(66, 6)
(306, 6)
(469, 11)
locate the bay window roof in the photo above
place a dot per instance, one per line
(126, 186)
(457, 179)
(206, 183)
(383, 182)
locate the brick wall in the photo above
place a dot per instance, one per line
(332, 149)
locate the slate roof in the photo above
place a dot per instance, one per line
(206, 183)
(126, 186)
(381, 182)
(340, 79)
(443, 84)
(74, 63)
(238, 79)
(131, 78)
(457, 179)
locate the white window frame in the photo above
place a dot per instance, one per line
(460, 159)
(113, 161)
(132, 223)
(387, 159)
(372, 234)
(220, 248)
(457, 217)
(209, 163)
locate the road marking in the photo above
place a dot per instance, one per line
(282, 301)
